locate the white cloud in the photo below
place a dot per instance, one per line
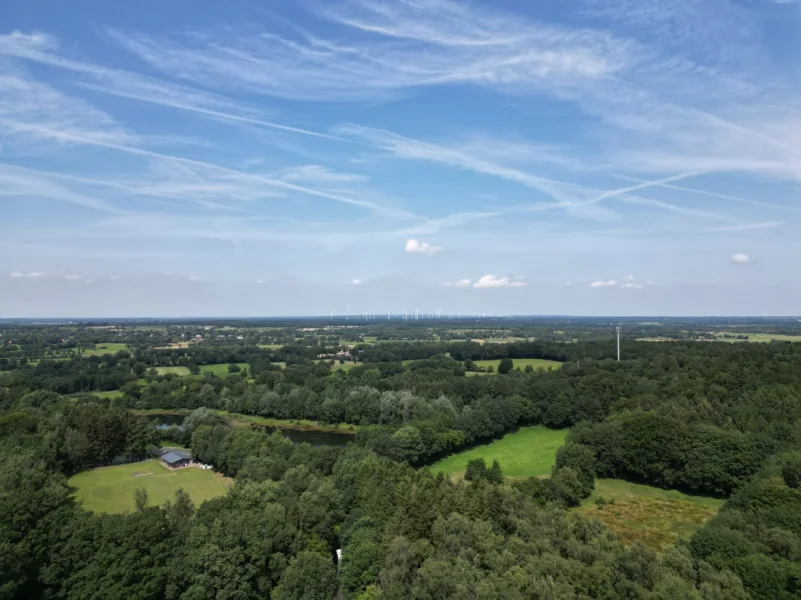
(115, 277)
(463, 283)
(72, 277)
(34, 275)
(356, 282)
(740, 259)
(259, 281)
(568, 283)
(491, 281)
(632, 286)
(16, 275)
(630, 278)
(194, 278)
(600, 284)
(417, 247)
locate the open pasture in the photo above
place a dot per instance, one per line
(528, 452)
(649, 515)
(111, 489)
(519, 363)
(220, 370)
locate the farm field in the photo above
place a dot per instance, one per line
(649, 515)
(528, 452)
(111, 489)
(520, 363)
(757, 337)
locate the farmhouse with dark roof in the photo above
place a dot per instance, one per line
(176, 458)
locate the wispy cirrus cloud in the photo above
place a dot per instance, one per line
(401, 46)
(26, 104)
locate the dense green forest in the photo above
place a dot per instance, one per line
(715, 418)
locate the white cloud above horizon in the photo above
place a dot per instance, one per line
(414, 246)
(600, 284)
(740, 258)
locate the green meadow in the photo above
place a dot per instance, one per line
(528, 452)
(107, 348)
(111, 489)
(519, 363)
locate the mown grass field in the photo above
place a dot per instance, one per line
(111, 489)
(219, 370)
(528, 452)
(649, 515)
(519, 363)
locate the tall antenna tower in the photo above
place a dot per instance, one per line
(618, 343)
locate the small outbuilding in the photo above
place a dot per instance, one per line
(176, 458)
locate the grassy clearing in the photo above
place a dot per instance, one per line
(111, 394)
(181, 371)
(649, 515)
(271, 346)
(107, 348)
(220, 370)
(519, 363)
(528, 452)
(111, 489)
(346, 366)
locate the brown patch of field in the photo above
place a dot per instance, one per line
(651, 516)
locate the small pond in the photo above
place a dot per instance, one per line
(315, 438)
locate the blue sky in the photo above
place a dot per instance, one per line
(269, 158)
